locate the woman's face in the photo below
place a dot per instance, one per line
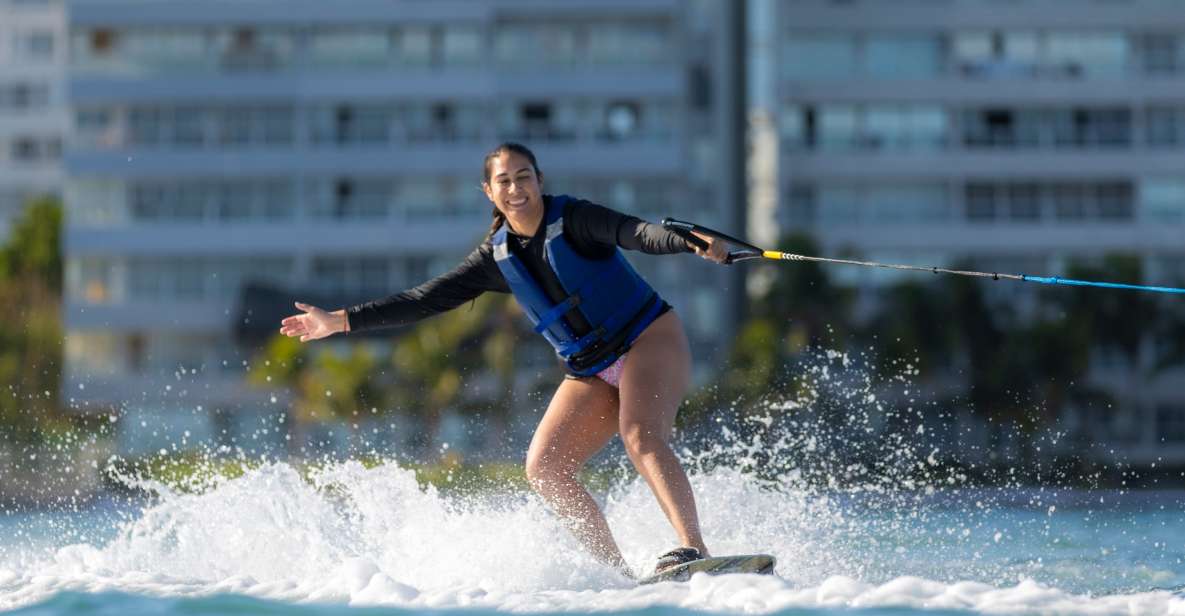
(513, 186)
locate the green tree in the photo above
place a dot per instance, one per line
(429, 363)
(340, 387)
(31, 347)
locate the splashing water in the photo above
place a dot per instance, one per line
(834, 477)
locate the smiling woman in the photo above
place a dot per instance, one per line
(624, 350)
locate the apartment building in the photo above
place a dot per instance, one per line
(33, 117)
(337, 148)
(1018, 134)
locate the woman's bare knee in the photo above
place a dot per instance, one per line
(641, 439)
(544, 471)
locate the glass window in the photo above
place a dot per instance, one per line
(927, 125)
(412, 45)
(146, 280)
(1024, 202)
(373, 274)
(188, 126)
(902, 56)
(1069, 202)
(635, 43)
(234, 202)
(277, 200)
(189, 278)
(1114, 201)
(1163, 201)
(234, 126)
(145, 126)
(906, 204)
(837, 127)
(160, 48)
(39, 45)
(1164, 126)
(349, 46)
(1163, 54)
(792, 126)
(461, 46)
(838, 206)
(278, 125)
(996, 54)
(980, 202)
(1087, 53)
(800, 207)
(189, 201)
(147, 202)
(818, 56)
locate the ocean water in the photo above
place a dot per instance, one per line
(889, 532)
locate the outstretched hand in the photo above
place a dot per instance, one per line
(315, 323)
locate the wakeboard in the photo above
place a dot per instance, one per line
(716, 565)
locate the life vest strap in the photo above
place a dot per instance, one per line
(556, 312)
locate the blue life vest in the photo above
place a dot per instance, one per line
(608, 293)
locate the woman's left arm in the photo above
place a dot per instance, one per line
(595, 224)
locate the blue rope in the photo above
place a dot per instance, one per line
(1107, 285)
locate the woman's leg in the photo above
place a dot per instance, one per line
(656, 376)
(580, 420)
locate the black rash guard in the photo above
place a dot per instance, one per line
(593, 230)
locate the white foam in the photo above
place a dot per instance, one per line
(373, 537)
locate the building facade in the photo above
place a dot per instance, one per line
(1020, 136)
(337, 148)
(33, 117)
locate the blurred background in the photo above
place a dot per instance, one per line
(175, 174)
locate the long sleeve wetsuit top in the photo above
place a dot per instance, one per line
(593, 230)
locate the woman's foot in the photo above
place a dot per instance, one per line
(676, 557)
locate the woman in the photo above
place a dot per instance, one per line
(627, 359)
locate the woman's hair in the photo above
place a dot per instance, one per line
(504, 147)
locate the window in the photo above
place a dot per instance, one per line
(1163, 54)
(980, 202)
(633, 43)
(818, 56)
(904, 204)
(800, 208)
(1069, 202)
(1164, 125)
(1115, 201)
(536, 120)
(233, 202)
(792, 126)
(188, 127)
(348, 47)
(145, 126)
(412, 45)
(1163, 201)
(23, 95)
(25, 149)
(461, 46)
(278, 125)
(1086, 53)
(837, 127)
(1092, 127)
(621, 120)
(838, 206)
(1024, 202)
(996, 54)
(902, 56)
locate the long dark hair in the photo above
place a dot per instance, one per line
(504, 147)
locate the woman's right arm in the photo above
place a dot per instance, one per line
(475, 275)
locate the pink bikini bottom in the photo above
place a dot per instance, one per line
(612, 374)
